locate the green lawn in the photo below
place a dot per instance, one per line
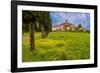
(57, 46)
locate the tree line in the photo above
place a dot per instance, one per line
(36, 21)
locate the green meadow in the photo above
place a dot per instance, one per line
(57, 46)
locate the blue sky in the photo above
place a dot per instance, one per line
(72, 17)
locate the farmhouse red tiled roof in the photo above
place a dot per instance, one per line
(63, 24)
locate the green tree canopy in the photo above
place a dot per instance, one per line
(40, 18)
(79, 26)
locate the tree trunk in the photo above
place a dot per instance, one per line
(32, 42)
(43, 33)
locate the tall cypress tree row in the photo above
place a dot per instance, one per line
(28, 23)
(38, 21)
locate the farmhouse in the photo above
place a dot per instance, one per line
(66, 26)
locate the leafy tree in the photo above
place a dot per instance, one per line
(36, 21)
(29, 20)
(43, 22)
(79, 26)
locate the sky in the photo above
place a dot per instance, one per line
(72, 17)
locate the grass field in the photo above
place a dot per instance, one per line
(57, 46)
